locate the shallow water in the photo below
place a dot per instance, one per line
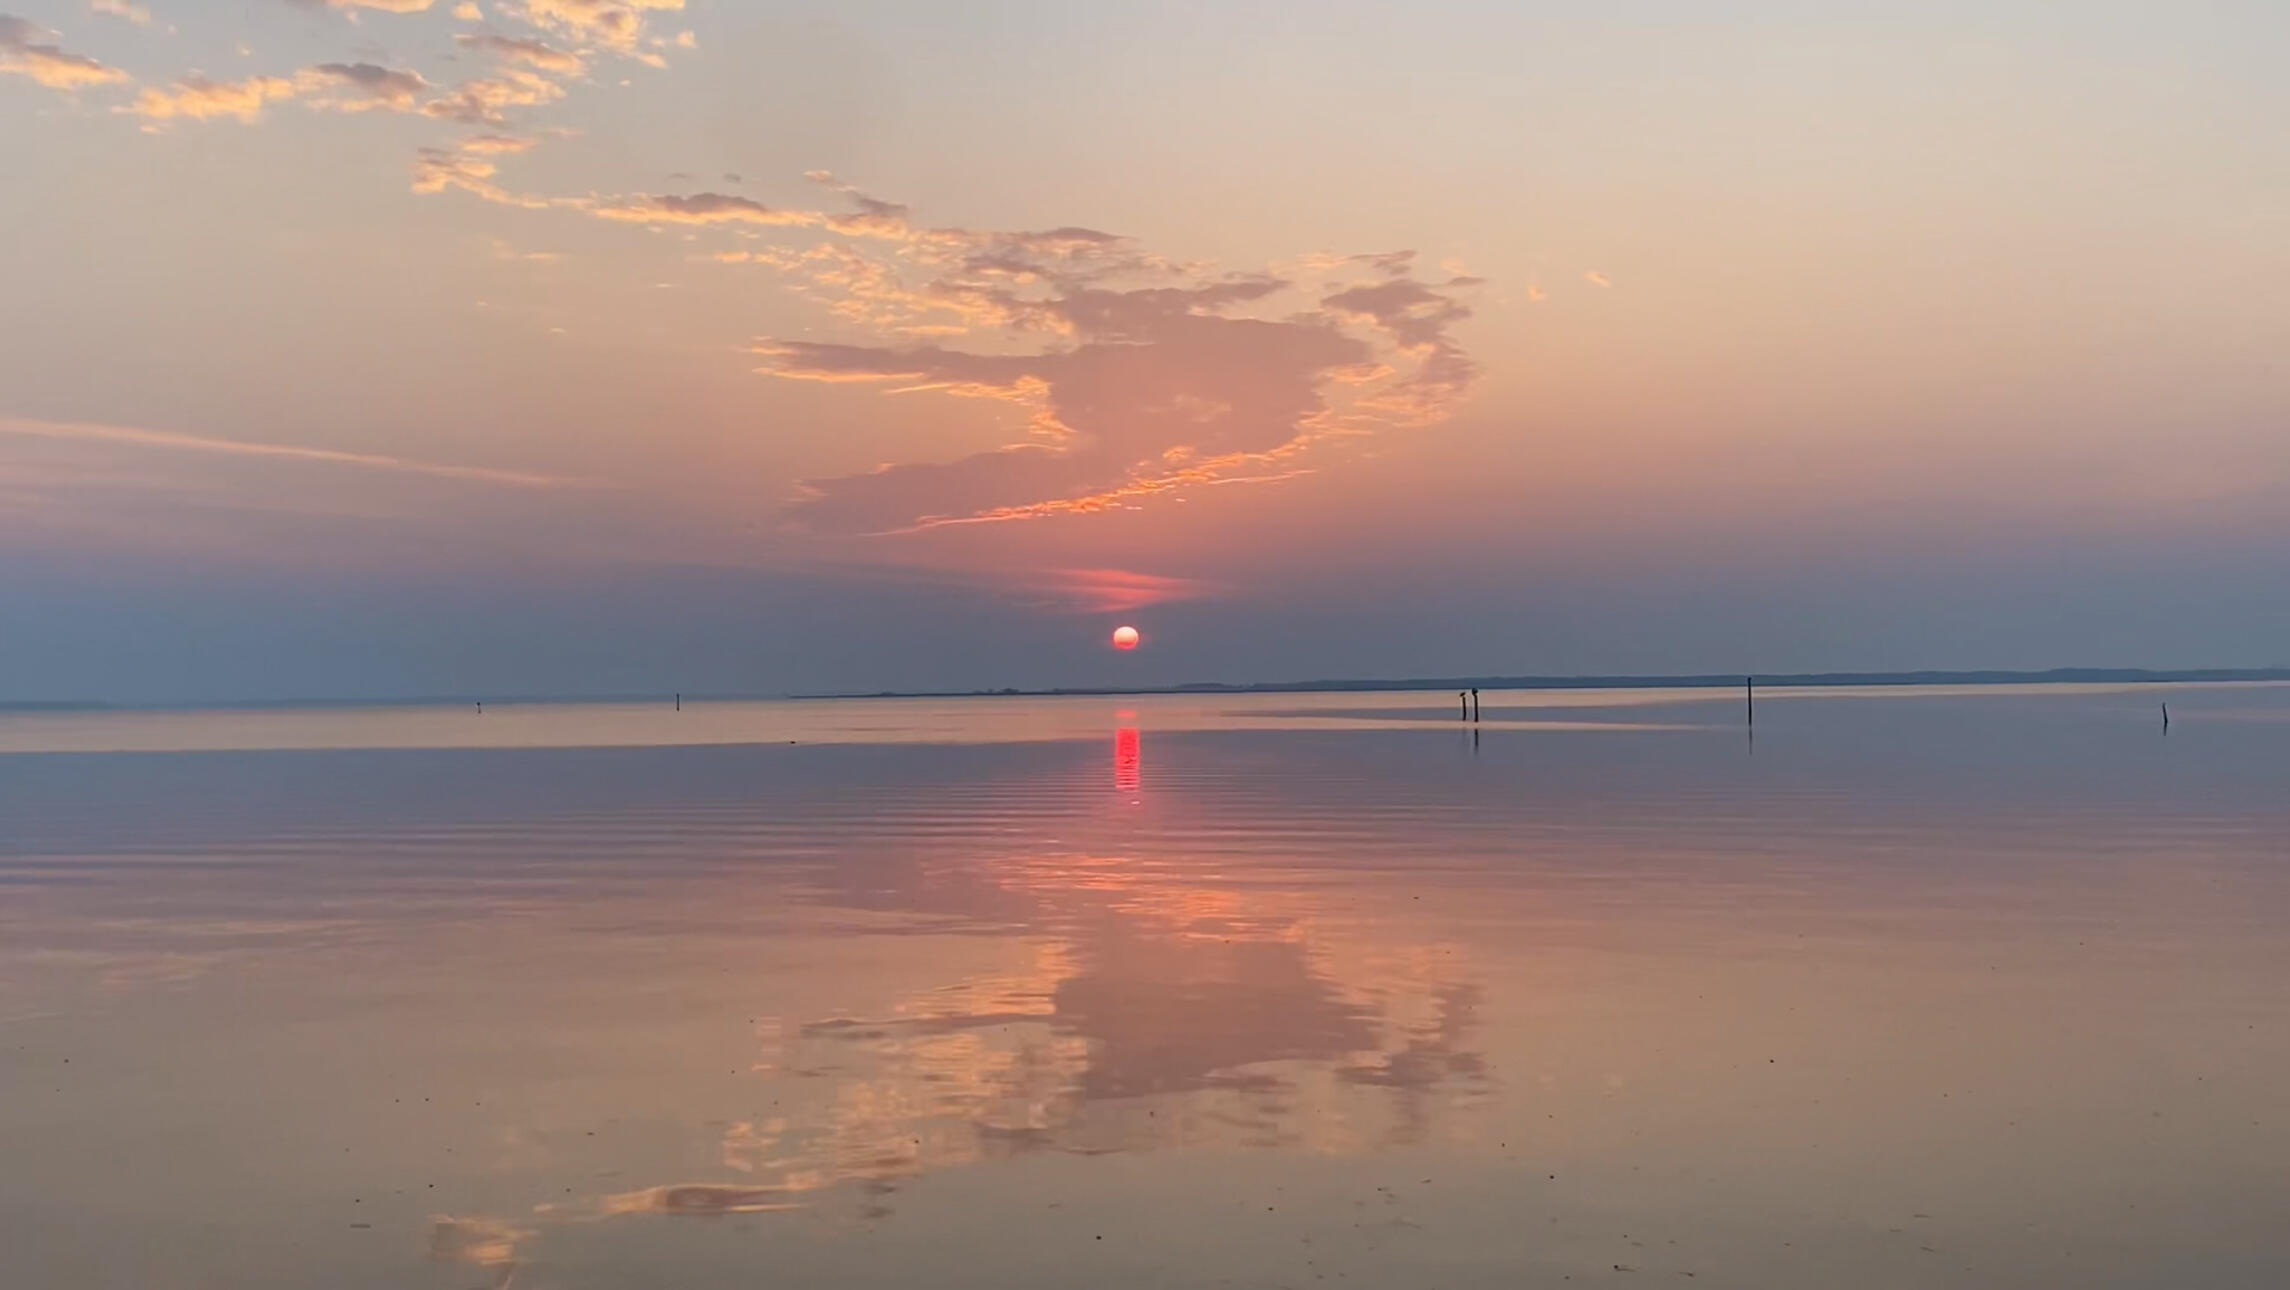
(1918, 988)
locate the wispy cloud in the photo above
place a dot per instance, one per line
(29, 50)
(126, 9)
(1597, 279)
(1131, 412)
(1134, 375)
(338, 87)
(1139, 376)
(537, 54)
(1119, 591)
(367, 85)
(530, 72)
(382, 6)
(483, 101)
(173, 441)
(616, 23)
(499, 144)
(1417, 319)
(435, 170)
(702, 208)
(201, 98)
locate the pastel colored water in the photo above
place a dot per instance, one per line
(1918, 988)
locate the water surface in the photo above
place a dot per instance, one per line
(1916, 988)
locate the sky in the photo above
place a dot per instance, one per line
(388, 348)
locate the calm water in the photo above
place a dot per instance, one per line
(1921, 988)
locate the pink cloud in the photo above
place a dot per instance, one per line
(1140, 375)
(1149, 377)
(1119, 591)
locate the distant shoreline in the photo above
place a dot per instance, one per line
(1701, 681)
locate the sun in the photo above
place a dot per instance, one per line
(1125, 638)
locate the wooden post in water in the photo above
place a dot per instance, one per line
(2166, 718)
(1749, 699)
(679, 702)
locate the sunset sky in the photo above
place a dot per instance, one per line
(360, 348)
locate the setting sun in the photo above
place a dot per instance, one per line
(1125, 638)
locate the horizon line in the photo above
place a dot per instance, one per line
(1586, 681)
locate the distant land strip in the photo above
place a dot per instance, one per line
(1705, 681)
(1714, 680)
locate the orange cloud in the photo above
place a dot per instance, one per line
(340, 87)
(198, 98)
(1597, 279)
(24, 51)
(481, 102)
(437, 169)
(616, 23)
(499, 144)
(702, 208)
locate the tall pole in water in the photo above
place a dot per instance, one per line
(1749, 698)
